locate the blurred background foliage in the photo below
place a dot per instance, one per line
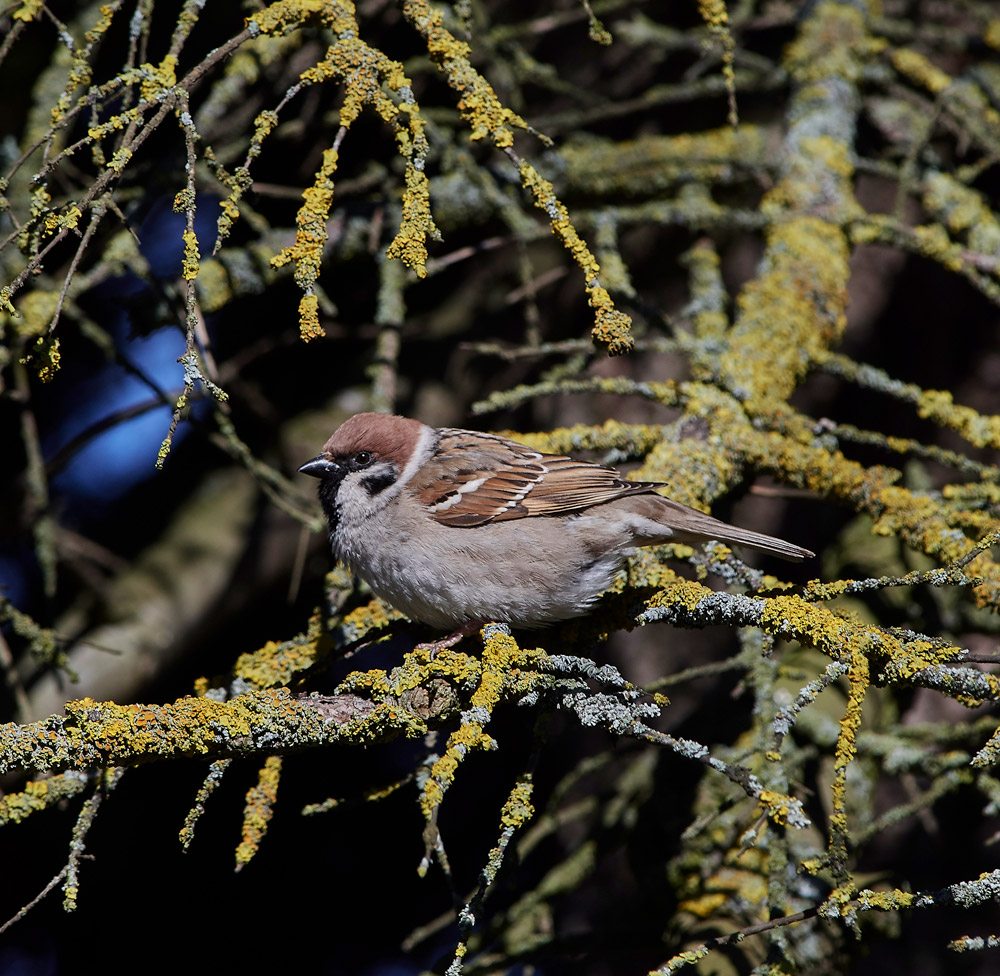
(226, 228)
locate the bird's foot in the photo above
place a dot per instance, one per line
(432, 647)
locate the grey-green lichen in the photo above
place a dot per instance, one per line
(104, 733)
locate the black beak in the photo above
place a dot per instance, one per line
(322, 467)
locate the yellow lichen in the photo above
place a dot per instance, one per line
(33, 314)
(258, 810)
(846, 750)
(918, 69)
(28, 10)
(120, 159)
(835, 43)
(977, 429)
(409, 244)
(791, 312)
(518, 809)
(157, 78)
(654, 162)
(189, 267)
(612, 327)
(275, 663)
(364, 70)
(478, 103)
(500, 661)
(45, 357)
(38, 795)
(284, 15)
(107, 734)
(777, 805)
(991, 34)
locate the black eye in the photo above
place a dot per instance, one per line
(362, 459)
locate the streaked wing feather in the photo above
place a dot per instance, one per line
(512, 481)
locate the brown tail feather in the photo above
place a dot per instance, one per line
(684, 524)
(756, 540)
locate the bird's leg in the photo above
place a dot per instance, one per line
(469, 627)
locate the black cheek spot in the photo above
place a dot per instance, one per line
(376, 483)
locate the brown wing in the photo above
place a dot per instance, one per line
(477, 478)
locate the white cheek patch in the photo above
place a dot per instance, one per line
(422, 450)
(456, 496)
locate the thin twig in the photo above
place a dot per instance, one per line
(34, 901)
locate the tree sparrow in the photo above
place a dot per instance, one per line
(455, 528)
